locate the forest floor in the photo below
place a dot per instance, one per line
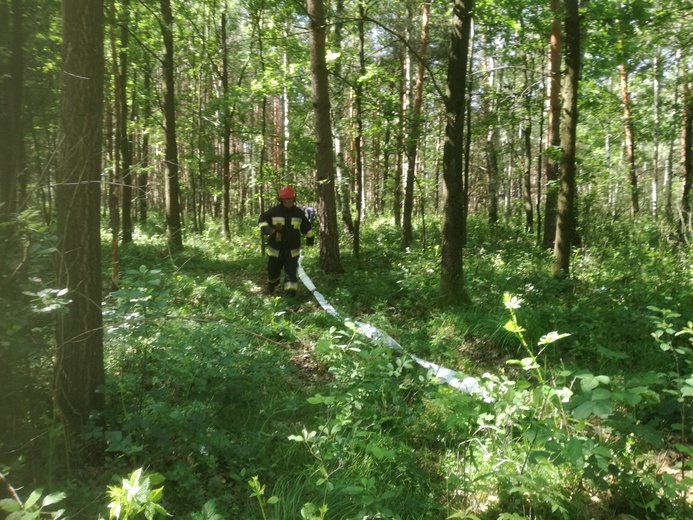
(211, 382)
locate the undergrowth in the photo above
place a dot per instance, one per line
(223, 402)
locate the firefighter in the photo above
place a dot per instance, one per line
(284, 224)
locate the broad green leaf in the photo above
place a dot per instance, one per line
(600, 394)
(584, 410)
(603, 409)
(53, 498)
(9, 506)
(573, 452)
(33, 498)
(588, 382)
(687, 390)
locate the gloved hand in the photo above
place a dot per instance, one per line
(310, 241)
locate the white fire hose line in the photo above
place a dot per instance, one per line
(469, 385)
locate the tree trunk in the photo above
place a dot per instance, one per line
(226, 129)
(566, 197)
(451, 272)
(401, 108)
(343, 182)
(630, 143)
(527, 140)
(79, 370)
(527, 175)
(687, 150)
(11, 94)
(657, 178)
(143, 176)
(492, 173)
(553, 129)
(415, 130)
(324, 152)
(491, 146)
(11, 126)
(114, 149)
(125, 144)
(358, 139)
(467, 142)
(174, 233)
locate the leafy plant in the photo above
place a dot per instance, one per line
(259, 493)
(137, 495)
(34, 507)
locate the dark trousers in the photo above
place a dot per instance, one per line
(285, 261)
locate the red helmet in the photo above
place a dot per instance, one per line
(287, 192)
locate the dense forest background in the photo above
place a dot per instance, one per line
(504, 187)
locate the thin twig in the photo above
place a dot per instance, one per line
(12, 490)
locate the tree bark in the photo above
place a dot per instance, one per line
(143, 176)
(491, 146)
(79, 370)
(565, 222)
(656, 137)
(11, 103)
(324, 150)
(11, 121)
(527, 140)
(629, 141)
(125, 144)
(358, 139)
(415, 129)
(492, 173)
(226, 129)
(401, 111)
(342, 178)
(687, 150)
(451, 274)
(174, 232)
(553, 130)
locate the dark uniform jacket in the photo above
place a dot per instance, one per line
(293, 222)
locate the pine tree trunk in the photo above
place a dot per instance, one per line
(226, 129)
(125, 145)
(553, 129)
(358, 139)
(630, 143)
(12, 93)
(527, 175)
(324, 160)
(174, 233)
(11, 124)
(415, 130)
(341, 173)
(451, 272)
(492, 173)
(143, 177)
(687, 151)
(79, 370)
(566, 196)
